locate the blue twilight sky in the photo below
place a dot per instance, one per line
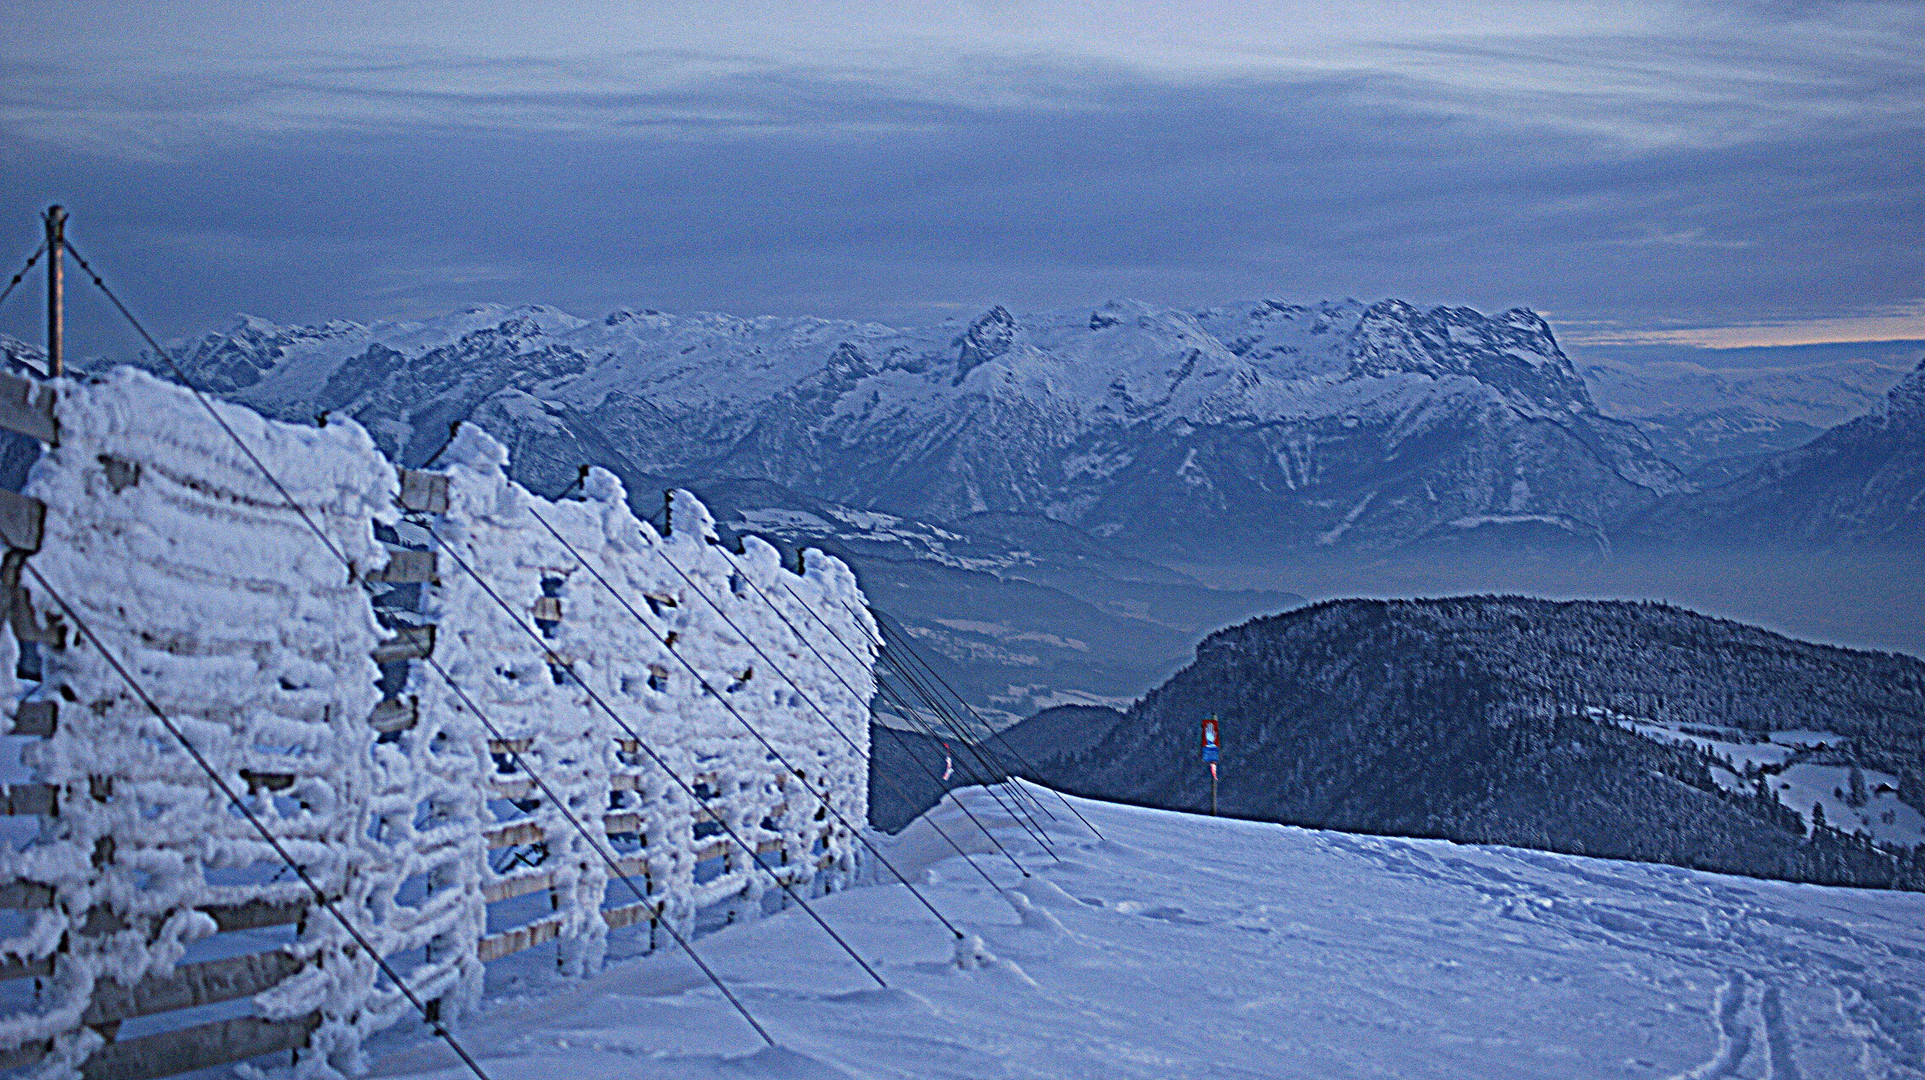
(1721, 173)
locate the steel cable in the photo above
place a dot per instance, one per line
(806, 643)
(792, 685)
(31, 259)
(557, 661)
(273, 842)
(997, 735)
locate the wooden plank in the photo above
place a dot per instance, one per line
(25, 894)
(190, 985)
(218, 1043)
(29, 799)
(409, 643)
(255, 914)
(628, 821)
(257, 781)
(21, 520)
(521, 832)
(509, 888)
(713, 851)
(496, 946)
(15, 968)
(510, 746)
(632, 866)
(424, 492)
(512, 788)
(406, 567)
(391, 716)
(625, 782)
(101, 920)
(36, 718)
(27, 407)
(628, 914)
(548, 608)
(25, 1054)
(29, 626)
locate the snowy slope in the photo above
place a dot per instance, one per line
(1695, 414)
(1193, 947)
(1338, 426)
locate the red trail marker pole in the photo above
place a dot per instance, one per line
(1210, 756)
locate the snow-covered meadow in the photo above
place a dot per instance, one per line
(1183, 946)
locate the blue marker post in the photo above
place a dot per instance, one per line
(1210, 756)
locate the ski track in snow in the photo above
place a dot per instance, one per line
(1183, 946)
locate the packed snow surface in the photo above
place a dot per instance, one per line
(1184, 946)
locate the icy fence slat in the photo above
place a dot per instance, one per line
(268, 654)
(27, 407)
(217, 1043)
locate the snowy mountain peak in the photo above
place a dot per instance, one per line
(1122, 310)
(248, 347)
(22, 357)
(1513, 353)
(989, 337)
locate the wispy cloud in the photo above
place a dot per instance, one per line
(1641, 168)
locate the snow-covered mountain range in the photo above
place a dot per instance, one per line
(1008, 485)
(1717, 422)
(1860, 484)
(1338, 426)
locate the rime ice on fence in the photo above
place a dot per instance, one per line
(186, 562)
(676, 856)
(254, 638)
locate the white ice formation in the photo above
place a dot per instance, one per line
(188, 566)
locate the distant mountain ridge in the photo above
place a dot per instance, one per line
(1696, 414)
(1338, 426)
(1861, 484)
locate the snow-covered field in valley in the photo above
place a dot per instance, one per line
(1183, 946)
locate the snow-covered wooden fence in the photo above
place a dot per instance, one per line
(146, 929)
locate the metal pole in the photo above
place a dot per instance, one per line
(1213, 812)
(56, 317)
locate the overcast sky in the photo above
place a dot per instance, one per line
(1721, 173)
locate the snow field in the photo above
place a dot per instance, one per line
(1799, 786)
(1184, 946)
(256, 642)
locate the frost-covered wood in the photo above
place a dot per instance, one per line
(21, 520)
(254, 639)
(530, 668)
(27, 406)
(268, 654)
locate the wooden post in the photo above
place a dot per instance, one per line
(56, 318)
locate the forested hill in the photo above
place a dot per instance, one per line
(1616, 729)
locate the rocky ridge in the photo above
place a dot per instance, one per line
(1333, 427)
